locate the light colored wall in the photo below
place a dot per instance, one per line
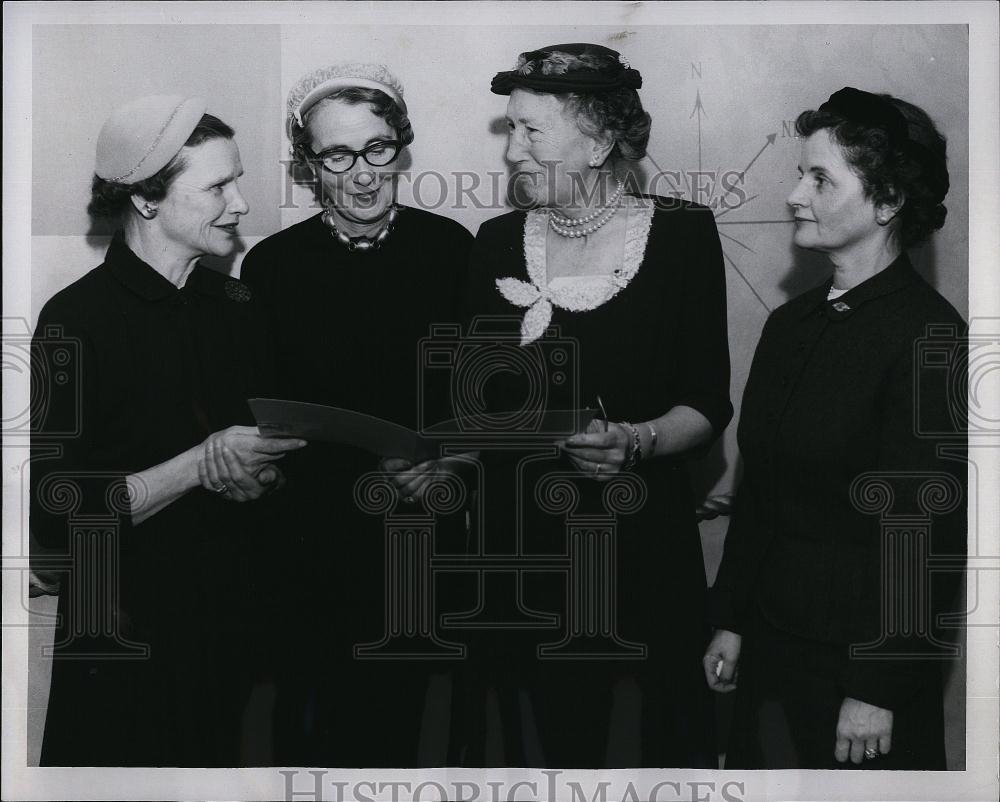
(752, 81)
(81, 73)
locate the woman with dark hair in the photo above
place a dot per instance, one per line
(595, 662)
(829, 616)
(350, 293)
(140, 371)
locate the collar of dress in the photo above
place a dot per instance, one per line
(538, 294)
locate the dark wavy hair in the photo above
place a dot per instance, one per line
(111, 199)
(914, 172)
(381, 104)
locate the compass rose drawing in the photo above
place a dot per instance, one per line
(732, 183)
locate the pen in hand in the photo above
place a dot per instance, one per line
(604, 414)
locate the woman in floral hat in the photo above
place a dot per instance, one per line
(600, 666)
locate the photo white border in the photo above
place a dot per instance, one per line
(977, 783)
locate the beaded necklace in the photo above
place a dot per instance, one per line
(361, 243)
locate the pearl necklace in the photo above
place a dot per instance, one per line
(574, 227)
(361, 243)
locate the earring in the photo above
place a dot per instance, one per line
(149, 211)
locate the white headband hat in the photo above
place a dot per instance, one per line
(323, 82)
(140, 138)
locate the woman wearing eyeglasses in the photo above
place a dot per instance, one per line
(351, 291)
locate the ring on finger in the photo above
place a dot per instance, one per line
(871, 753)
(597, 468)
(223, 488)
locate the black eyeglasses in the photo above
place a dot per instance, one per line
(340, 160)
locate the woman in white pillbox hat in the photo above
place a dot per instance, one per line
(140, 370)
(352, 292)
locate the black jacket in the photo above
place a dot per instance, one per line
(127, 372)
(850, 413)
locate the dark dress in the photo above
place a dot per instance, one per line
(853, 446)
(347, 328)
(155, 650)
(599, 613)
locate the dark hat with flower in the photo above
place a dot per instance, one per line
(579, 67)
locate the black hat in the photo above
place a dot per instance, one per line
(578, 67)
(878, 111)
(867, 109)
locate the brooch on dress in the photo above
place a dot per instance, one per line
(237, 291)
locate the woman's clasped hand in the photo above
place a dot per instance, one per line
(600, 453)
(412, 481)
(238, 463)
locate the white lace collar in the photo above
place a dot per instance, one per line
(538, 294)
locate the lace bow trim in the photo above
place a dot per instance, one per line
(540, 297)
